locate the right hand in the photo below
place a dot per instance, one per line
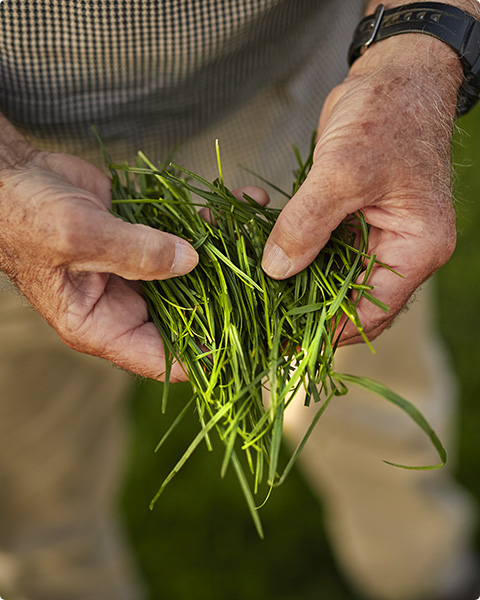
(76, 263)
(383, 149)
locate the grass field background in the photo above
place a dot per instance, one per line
(199, 542)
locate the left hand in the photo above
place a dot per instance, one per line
(78, 265)
(384, 149)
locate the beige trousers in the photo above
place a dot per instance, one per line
(61, 448)
(398, 535)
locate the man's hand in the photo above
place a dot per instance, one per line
(383, 149)
(77, 264)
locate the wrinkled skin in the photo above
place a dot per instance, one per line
(383, 148)
(76, 263)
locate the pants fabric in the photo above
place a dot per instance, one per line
(62, 442)
(62, 434)
(397, 535)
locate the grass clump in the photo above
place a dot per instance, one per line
(239, 333)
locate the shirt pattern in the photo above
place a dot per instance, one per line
(165, 69)
(69, 63)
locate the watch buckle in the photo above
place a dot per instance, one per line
(375, 25)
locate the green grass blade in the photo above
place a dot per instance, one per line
(407, 407)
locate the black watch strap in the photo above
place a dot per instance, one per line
(448, 23)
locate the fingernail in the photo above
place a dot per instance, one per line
(275, 262)
(185, 259)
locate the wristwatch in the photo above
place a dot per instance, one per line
(448, 23)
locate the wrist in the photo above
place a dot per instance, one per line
(470, 6)
(435, 37)
(415, 57)
(407, 49)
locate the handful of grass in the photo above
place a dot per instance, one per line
(238, 332)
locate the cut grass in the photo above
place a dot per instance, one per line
(236, 331)
(197, 545)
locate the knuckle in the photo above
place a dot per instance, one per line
(302, 223)
(68, 236)
(349, 170)
(444, 248)
(440, 231)
(67, 244)
(312, 209)
(154, 256)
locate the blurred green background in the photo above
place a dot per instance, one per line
(199, 542)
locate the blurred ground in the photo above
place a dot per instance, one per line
(199, 541)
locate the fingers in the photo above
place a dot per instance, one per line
(304, 227)
(340, 182)
(412, 260)
(105, 317)
(89, 238)
(66, 245)
(256, 193)
(56, 225)
(132, 251)
(141, 351)
(391, 289)
(78, 172)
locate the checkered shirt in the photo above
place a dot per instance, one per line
(166, 70)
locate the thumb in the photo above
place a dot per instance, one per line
(330, 101)
(132, 251)
(304, 226)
